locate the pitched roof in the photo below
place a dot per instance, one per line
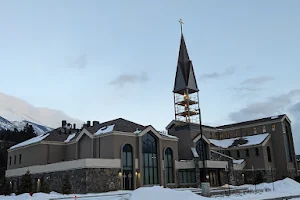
(120, 124)
(240, 141)
(56, 135)
(185, 77)
(262, 120)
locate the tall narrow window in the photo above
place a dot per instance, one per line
(264, 129)
(149, 149)
(20, 158)
(211, 135)
(237, 134)
(247, 152)
(273, 127)
(15, 159)
(9, 160)
(269, 154)
(228, 134)
(238, 153)
(245, 133)
(257, 151)
(127, 164)
(169, 165)
(201, 146)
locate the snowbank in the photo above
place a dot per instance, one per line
(159, 193)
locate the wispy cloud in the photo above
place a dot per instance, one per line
(270, 106)
(129, 78)
(251, 85)
(216, 75)
(257, 80)
(80, 62)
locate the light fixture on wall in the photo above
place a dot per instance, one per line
(120, 174)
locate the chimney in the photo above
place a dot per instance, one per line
(88, 123)
(63, 123)
(95, 123)
(74, 126)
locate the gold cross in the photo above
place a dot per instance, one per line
(181, 22)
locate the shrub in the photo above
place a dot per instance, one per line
(26, 183)
(66, 187)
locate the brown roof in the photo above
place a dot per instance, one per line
(262, 120)
(57, 136)
(120, 125)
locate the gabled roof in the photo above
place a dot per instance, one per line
(120, 124)
(185, 77)
(240, 141)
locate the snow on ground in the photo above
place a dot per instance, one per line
(286, 187)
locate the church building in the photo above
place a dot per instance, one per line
(120, 154)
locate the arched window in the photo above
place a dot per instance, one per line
(247, 152)
(199, 149)
(269, 154)
(149, 149)
(169, 165)
(238, 153)
(127, 165)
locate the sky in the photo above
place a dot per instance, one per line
(101, 60)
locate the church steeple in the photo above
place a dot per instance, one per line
(185, 87)
(185, 76)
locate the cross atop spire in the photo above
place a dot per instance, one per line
(181, 22)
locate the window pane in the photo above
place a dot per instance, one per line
(155, 176)
(184, 177)
(129, 159)
(146, 157)
(146, 176)
(154, 160)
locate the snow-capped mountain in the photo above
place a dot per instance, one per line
(38, 129)
(19, 125)
(5, 124)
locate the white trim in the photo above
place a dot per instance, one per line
(287, 118)
(186, 164)
(84, 131)
(213, 164)
(64, 166)
(150, 128)
(198, 138)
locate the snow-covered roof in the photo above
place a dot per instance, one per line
(105, 129)
(31, 141)
(70, 137)
(195, 153)
(240, 141)
(240, 161)
(164, 133)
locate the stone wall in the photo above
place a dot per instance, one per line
(82, 180)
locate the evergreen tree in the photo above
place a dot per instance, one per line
(66, 187)
(45, 186)
(26, 183)
(4, 187)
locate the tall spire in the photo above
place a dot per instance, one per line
(185, 77)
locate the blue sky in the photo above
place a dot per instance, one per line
(100, 60)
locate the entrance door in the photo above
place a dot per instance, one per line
(127, 180)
